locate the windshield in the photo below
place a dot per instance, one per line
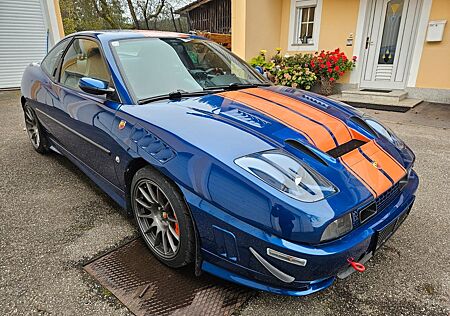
(159, 66)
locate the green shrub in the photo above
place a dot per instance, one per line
(292, 71)
(303, 70)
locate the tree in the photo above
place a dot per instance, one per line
(81, 15)
(111, 11)
(145, 10)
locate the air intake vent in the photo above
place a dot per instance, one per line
(316, 101)
(364, 125)
(345, 148)
(299, 146)
(367, 213)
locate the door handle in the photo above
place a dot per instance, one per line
(368, 42)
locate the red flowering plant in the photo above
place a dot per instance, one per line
(329, 66)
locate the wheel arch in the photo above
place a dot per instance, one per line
(133, 166)
(138, 163)
(23, 100)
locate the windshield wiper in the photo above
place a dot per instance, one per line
(238, 86)
(175, 95)
(178, 94)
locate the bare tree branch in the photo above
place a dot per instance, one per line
(104, 13)
(133, 14)
(158, 10)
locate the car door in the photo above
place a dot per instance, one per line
(81, 122)
(44, 92)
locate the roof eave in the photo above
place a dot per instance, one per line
(191, 6)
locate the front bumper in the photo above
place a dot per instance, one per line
(226, 243)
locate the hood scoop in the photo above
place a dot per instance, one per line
(345, 148)
(303, 148)
(359, 121)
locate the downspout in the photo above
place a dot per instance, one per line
(48, 38)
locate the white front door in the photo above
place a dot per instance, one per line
(388, 43)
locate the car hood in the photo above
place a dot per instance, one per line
(329, 136)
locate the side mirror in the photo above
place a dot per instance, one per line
(94, 86)
(259, 69)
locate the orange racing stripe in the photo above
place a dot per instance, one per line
(374, 167)
(339, 129)
(388, 163)
(371, 177)
(349, 169)
(314, 132)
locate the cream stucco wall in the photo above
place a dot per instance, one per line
(434, 70)
(59, 18)
(238, 29)
(255, 26)
(338, 21)
(264, 24)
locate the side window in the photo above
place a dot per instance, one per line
(50, 62)
(83, 59)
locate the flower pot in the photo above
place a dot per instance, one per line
(326, 86)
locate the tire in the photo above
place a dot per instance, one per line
(35, 131)
(163, 218)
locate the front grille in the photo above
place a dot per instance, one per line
(387, 197)
(380, 204)
(385, 233)
(402, 217)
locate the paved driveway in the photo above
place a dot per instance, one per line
(53, 220)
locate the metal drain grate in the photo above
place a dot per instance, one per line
(147, 287)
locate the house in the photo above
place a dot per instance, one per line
(28, 29)
(212, 16)
(403, 46)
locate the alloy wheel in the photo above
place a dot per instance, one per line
(156, 218)
(32, 127)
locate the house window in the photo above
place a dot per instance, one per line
(305, 23)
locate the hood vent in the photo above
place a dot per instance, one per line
(299, 146)
(364, 125)
(316, 101)
(345, 148)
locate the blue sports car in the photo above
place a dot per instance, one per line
(271, 187)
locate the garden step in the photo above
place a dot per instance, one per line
(395, 100)
(379, 97)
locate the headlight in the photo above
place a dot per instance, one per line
(339, 227)
(288, 175)
(386, 133)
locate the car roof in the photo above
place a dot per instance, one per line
(108, 35)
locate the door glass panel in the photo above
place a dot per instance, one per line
(83, 59)
(391, 29)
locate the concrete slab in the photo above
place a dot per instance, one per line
(54, 220)
(378, 102)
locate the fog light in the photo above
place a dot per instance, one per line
(287, 258)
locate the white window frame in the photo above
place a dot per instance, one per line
(293, 24)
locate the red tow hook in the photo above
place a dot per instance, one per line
(356, 265)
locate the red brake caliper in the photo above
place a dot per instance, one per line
(177, 229)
